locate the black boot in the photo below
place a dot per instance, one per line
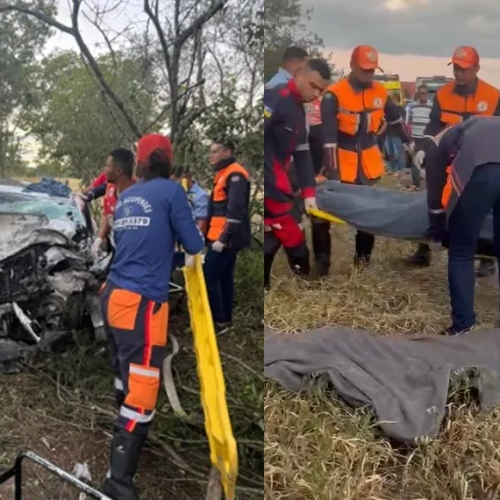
(364, 247)
(125, 453)
(268, 264)
(298, 260)
(421, 258)
(322, 247)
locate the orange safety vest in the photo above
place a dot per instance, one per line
(218, 218)
(351, 105)
(454, 107)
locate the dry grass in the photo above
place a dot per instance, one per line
(317, 448)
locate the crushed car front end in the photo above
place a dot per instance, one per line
(47, 283)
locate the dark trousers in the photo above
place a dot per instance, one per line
(481, 196)
(136, 328)
(219, 276)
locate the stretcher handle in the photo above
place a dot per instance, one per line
(320, 214)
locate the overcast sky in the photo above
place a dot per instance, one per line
(414, 37)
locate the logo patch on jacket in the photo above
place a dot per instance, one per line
(482, 106)
(377, 102)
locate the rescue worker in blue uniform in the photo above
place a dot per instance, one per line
(285, 135)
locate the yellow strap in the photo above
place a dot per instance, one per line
(325, 216)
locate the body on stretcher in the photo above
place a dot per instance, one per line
(383, 212)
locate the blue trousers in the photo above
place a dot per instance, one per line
(480, 197)
(395, 152)
(219, 276)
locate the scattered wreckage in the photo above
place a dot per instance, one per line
(49, 282)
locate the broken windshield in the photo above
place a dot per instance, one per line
(52, 208)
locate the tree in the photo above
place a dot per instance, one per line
(76, 126)
(21, 39)
(284, 26)
(172, 35)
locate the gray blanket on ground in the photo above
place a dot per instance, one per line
(405, 380)
(395, 214)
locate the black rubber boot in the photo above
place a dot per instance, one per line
(421, 258)
(298, 260)
(322, 247)
(125, 453)
(364, 247)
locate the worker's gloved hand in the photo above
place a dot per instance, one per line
(310, 204)
(97, 248)
(188, 260)
(437, 227)
(418, 159)
(217, 246)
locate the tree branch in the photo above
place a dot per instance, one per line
(24, 9)
(170, 104)
(200, 21)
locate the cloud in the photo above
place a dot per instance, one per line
(409, 67)
(421, 27)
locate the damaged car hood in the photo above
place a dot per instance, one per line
(19, 231)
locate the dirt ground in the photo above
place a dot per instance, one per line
(62, 408)
(317, 448)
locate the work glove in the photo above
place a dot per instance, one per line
(418, 159)
(310, 204)
(188, 260)
(217, 246)
(436, 231)
(96, 248)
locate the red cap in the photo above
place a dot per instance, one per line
(366, 57)
(465, 57)
(151, 142)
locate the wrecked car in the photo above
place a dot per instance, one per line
(49, 283)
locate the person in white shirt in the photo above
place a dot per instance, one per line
(417, 117)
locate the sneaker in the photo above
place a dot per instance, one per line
(451, 331)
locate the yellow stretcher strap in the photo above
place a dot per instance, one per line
(325, 216)
(223, 450)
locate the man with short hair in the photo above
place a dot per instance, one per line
(294, 59)
(352, 112)
(417, 118)
(119, 171)
(285, 136)
(454, 103)
(228, 231)
(150, 217)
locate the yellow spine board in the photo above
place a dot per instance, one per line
(325, 216)
(223, 450)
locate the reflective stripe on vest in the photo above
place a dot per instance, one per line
(218, 220)
(454, 108)
(352, 105)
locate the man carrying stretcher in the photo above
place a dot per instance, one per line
(352, 111)
(285, 135)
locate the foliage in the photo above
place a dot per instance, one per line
(75, 123)
(284, 26)
(21, 38)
